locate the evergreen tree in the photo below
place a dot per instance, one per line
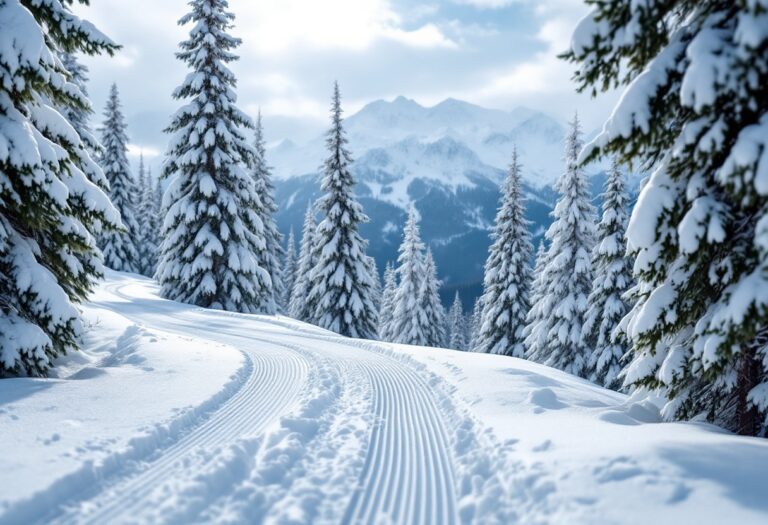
(262, 177)
(507, 274)
(409, 322)
(430, 307)
(147, 219)
(51, 198)
(475, 319)
(342, 288)
(299, 307)
(612, 278)
(79, 115)
(695, 108)
(387, 303)
(120, 248)
(213, 235)
(537, 286)
(557, 339)
(457, 331)
(289, 272)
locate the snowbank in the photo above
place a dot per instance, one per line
(129, 390)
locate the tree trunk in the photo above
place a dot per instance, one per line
(748, 376)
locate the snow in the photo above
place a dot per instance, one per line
(175, 414)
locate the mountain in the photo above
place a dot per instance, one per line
(448, 161)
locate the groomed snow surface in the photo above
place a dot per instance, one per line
(174, 414)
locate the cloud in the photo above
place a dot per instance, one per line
(284, 26)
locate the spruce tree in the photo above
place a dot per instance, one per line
(79, 115)
(213, 235)
(537, 285)
(474, 323)
(409, 323)
(694, 107)
(148, 232)
(457, 331)
(387, 303)
(612, 272)
(507, 274)
(262, 177)
(51, 198)
(557, 340)
(289, 272)
(299, 307)
(430, 307)
(342, 288)
(120, 248)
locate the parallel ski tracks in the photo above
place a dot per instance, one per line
(407, 475)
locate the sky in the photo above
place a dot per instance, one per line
(495, 53)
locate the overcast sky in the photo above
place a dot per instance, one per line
(495, 53)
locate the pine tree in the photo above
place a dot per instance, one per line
(51, 198)
(119, 247)
(556, 340)
(289, 272)
(341, 291)
(409, 323)
(695, 108)
(77, 115)
(147, 232)
(507, 274)
(299, 307)
(430, 307)
(537, 286)
(475, 319)
(387, 303)
(612, 272)
(213, 236)
(457, 331)
(262, 177)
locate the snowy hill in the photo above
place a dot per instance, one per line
(174, 414)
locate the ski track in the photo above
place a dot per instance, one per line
(389, 416)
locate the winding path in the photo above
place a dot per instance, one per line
(406, 474)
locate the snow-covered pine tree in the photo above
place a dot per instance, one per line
(507, 274)
(556, 339)
(299, 307)
(373, 269)
(341, 290)
(457, 331)
(213, 236)
(289, 272)
(51, 203)
(537, 284)
(387, 308)
(262, 178)
(474, 323)
(695, 108)
(120, 247)
(612, 271)
(534, 328)
(79, 115)
(409, 323)
(430, 306)
(147, 234)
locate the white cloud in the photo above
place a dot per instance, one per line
(277, 26)
(488, 4)
(427, 36)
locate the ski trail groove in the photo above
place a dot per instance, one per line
(271, 387)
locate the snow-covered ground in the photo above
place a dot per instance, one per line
(174, 414)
